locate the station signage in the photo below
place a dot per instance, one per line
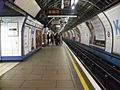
(53, 12)
(50, 12)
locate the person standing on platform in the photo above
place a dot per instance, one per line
(56, 38)
(61, 39)
(48, 39)
(52, 38)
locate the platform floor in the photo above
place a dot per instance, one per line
(6, 66)
(47, 69)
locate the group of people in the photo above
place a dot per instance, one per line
(54, 39)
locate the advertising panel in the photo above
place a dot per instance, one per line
(70, 35)
(66, 35)
(113, 15)
(26, 39)
(99, 31)
(108, 31)
(98, 28)
(92, 33)
(32, 38)
(38, 38)
(78, 34)
(85, 33)
(73, 34)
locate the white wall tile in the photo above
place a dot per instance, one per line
(11, 45)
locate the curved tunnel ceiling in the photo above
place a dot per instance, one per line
(85, 10)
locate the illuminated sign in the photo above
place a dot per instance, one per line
(60, 12)
(53, 12)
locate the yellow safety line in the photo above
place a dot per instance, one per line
(84, 84)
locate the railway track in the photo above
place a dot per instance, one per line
(105, 73)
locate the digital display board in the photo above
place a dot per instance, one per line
(67, 12)
(53, 12)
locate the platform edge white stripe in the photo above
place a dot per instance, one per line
(93, 82)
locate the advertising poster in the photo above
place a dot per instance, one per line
(66, 35)
(113, 15)
(73, 34)
(78, 33)
(92, 33)
(108, 30)
(85, 33)
(26, 39)
(99, 31)
(38, 38)
(70, 35)
(98, 28)
(63, 35)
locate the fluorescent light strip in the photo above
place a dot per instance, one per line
(72, 2)
(62, 15)
(62, 5)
